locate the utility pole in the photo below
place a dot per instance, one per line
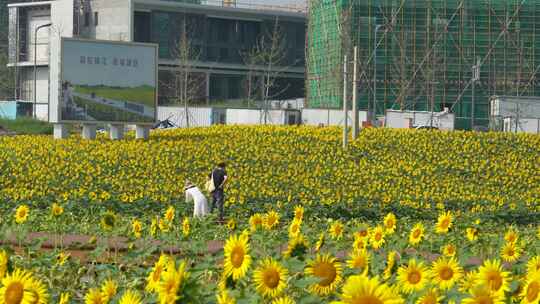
(355, 96)
(476, 77)
(345, 105)
(374, 115)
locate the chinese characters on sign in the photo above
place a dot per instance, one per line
(127, 62)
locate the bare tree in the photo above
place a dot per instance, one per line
(269, 57)
(187, 84)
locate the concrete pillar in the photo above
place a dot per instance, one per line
(89, 131)
(116, 131)
(142, 132)
(61, 131)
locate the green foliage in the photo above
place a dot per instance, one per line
(26, 126)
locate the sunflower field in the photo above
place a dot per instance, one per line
(401, 216)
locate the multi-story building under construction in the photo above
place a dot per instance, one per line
(424, 55)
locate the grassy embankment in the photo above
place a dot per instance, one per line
(26, 126)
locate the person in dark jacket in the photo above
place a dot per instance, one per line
(219, 176)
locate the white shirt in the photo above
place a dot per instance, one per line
(199, 201)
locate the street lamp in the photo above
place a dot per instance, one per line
(379, 26)
(35, 64)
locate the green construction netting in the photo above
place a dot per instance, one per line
(425, 53)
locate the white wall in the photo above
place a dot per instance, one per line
(198, 117)
(404, 119)
(525, 125)
(315, 117)
(114, 20)
(527, 107)
(37, 18)
(27, 83)
(243, 117)
(42, 112)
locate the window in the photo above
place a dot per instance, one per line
(142, 27)
(95, 18)
(87, 19)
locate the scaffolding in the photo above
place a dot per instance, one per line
(425, 55)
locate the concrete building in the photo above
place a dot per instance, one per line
(220, 33)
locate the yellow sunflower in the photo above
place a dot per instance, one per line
(39, 291)
(297, 247)
(416, 234)
(336, 230)
(108, 220)
(271, 220)
(226, 282)
(136, 228)
(152, 281)
(21, 214)
(319, 243)
(412, 277)
(169, 214)
(328, 270)
(432, 296)
(472, 234)
(533, 265)
(377, 237)
(512, 235)
(56, 210)
(294, 228)
(445, 272)
(491, 275)
(62, 257)
(130, 297)
(360, 243)
(256, 221)
(390, 263)
(468, 282)
(225, 298)
(360, 289)
(231, 224)
(154, 227)
(14, 288)
(510, 252)
(363, 232)
(444, 222)
(449, 250)
(270, 278)
(163, 225)
(390, 223)
(4, 260)
(298, 213)
(237, 258)
(481, 294)
(109, 289)
(170, 286)
(361, 239)
(283, 300)
(64, 298)
(185, 227)
(530, 293)
(94, 296)
(359, 260)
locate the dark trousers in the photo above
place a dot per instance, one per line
(218, 198)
